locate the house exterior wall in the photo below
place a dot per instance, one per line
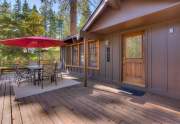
(162, 58)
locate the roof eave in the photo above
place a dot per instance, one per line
(96, 13)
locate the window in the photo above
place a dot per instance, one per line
(81, 54)
(133, 46)
(93, 54)
(75, 55)
(108, 54)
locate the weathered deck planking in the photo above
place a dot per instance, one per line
(86, 108)
(2, 91)
(79, 105)
(6, 119)
(16, 114)
(48, 110)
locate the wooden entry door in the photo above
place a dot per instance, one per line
(133, 59)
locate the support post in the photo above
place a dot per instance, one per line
(85, 63)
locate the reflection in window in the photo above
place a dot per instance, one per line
(81, 54)
(75, 55)
(92, 51)
(134, 46)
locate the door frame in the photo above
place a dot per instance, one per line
(131, 33)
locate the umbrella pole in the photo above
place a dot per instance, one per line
(39, 57)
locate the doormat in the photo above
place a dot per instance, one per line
(132, 91)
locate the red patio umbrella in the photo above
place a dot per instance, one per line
(32, 42)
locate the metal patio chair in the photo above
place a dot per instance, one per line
(22, 76)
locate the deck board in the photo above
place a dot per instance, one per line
(6, 119)
(79, 105)
(2, 91)
(48, 110)
(16, 114)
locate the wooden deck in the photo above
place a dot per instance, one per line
(79, 105)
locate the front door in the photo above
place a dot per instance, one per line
(133, 59)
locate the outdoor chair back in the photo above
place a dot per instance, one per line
(59, 70)
(22, 75)
(50, 72)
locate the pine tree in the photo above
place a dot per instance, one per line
(73, 17)
(44, 13)
(34, 8)
(17, 10)
(25, 9)
(52, 24)
(85, 12)
(45, 9)
(5, 7)
(34, 24)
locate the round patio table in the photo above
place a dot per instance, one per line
(36, 70)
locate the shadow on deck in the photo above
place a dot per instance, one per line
(80, 105)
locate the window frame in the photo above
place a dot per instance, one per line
(97, 56)
(82, 66)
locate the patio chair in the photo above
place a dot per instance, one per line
(59, 71)
(22, 75)
(49, 73)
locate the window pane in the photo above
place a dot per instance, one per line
(108, 54)
(134, 47)
(75, 55)
(81, 54)
(92, 54)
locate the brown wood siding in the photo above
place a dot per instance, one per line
(108, 65)
(162, 58)
(174, 60)
(129, 9)
(158, 58)
(116, 51)
(110, 71)
(102, 61)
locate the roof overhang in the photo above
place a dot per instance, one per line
(73, 38)
(170, 13)
(95, 14)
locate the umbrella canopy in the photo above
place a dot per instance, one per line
(32, 42)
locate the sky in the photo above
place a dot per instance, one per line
(38, 3)
(33, 2)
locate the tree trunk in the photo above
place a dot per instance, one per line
(73, 17)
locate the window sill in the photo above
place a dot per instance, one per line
(76, 66)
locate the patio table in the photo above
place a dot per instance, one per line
(36, 70)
